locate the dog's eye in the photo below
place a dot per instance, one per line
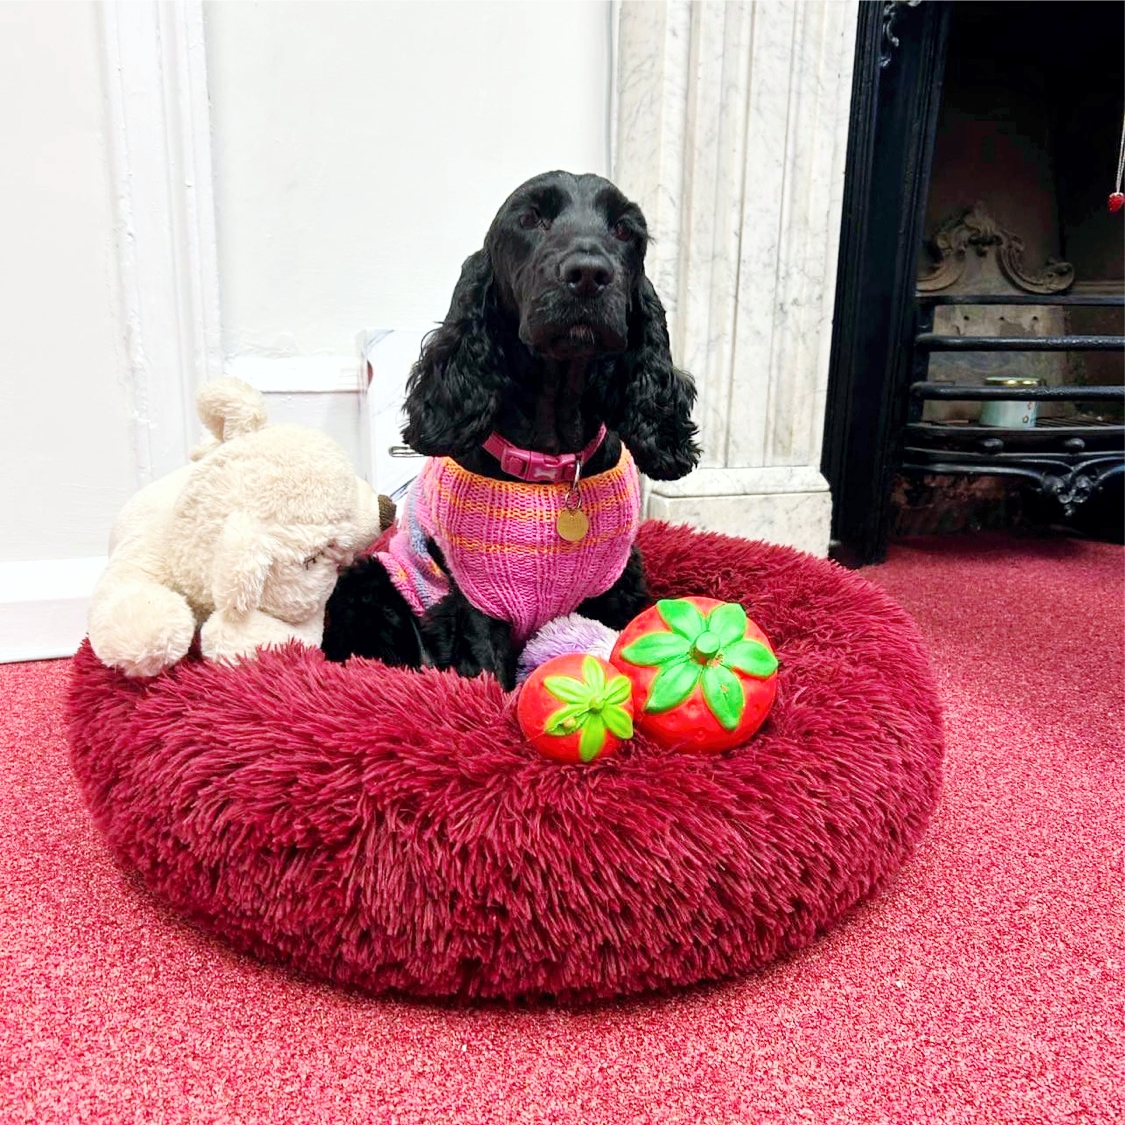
(531, 219)
(621, 231)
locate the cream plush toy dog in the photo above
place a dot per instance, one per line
(244, 542)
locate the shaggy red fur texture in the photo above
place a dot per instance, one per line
(391, 830)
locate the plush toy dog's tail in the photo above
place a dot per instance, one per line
(228, 408)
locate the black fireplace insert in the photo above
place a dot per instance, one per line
(965, 348)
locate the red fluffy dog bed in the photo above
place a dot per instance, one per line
(391, 829)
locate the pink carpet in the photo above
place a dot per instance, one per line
(984, 985)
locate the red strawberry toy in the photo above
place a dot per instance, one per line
(576, 708)
(704, 676)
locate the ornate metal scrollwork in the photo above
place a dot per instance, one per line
(974, 229)
(890, 40)
(1077, 483)
(1070, 485)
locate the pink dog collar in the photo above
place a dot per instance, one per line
(528, 465)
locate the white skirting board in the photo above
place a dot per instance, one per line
(43, 606)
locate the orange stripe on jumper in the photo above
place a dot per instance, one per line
(462, 506)
(622, 494)
(563, 547)
(399, 569)
(447, 475)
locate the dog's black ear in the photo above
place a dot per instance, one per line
(454, 389)
(654, 398)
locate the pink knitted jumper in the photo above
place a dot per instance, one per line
(502, 546)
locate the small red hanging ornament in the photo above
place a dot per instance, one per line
(1117, 197)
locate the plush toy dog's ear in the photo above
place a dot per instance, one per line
(243, 557)
(229, 407)
(650, 404)
(454, 389)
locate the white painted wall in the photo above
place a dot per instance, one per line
(361, 150)
(66, 462)
(359, 153)
(65, 452)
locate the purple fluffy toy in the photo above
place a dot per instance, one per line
(572, 633)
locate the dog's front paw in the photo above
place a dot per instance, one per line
(457, 635)
(367, 616)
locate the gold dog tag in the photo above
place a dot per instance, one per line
(572, 524)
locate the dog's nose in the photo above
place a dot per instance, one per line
(586, 274)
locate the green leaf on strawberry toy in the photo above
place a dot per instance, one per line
(751, 657)
(681, 616)
(703, 673)
(727, 622)
(723, 693)
(656, 648)
(673, 684)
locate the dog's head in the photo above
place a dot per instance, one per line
(566, 254)
(560, 280)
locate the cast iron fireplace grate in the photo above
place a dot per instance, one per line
(1068, 458)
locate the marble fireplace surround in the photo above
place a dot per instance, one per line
(731, 128)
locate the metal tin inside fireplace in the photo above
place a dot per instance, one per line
(1014, 413)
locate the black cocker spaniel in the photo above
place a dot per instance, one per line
(553, 357)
